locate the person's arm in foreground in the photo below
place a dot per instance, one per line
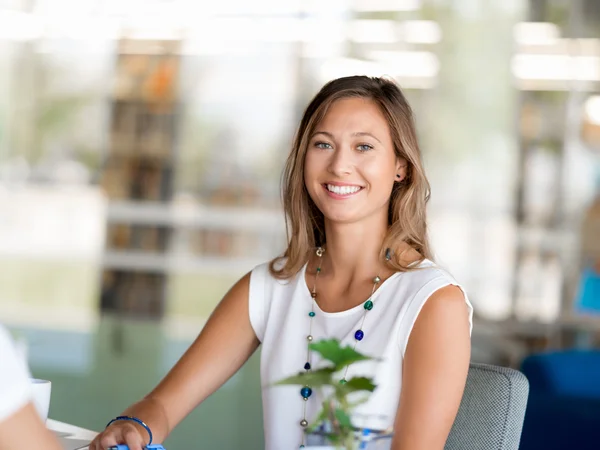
(24, 429)
(224, 345)
(434, 374)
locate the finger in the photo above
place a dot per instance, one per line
(133, 439)
(110, 439)
(95, 444)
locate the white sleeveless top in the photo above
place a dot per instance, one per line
(279, 316)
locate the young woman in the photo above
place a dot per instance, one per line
(357, 268)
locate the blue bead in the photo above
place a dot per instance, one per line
(302, 446)
(359, 335)
(306, 392)
(307, 366)
(311, 314)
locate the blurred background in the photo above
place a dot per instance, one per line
(141, 146)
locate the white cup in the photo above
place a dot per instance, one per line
(41, 396)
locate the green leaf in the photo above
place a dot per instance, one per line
(343, 418)
(331, 350)
(359, 384)
(314, 378)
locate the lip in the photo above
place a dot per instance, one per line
(341, 196)
(338, 183)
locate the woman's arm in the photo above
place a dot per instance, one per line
(224, 345)
(434, 374)
(24, 429)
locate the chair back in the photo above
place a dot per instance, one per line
(492, 409)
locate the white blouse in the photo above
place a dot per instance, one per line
(279, 316)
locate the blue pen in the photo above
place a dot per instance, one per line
(148, 447)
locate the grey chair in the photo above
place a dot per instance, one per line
(492, 410)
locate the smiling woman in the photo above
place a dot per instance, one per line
(357, 132)
(352, 165)
(357, 268)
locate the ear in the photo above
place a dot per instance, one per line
(401, 169)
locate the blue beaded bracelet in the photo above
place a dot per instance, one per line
(133, 419)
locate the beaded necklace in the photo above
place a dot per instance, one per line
(359, 334)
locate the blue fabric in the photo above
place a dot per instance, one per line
(573, 373)
(561, 423)
(563, 411)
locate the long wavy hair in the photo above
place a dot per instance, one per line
(305, 223)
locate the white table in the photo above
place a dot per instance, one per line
(70, 436)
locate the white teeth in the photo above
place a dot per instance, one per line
(342, 190)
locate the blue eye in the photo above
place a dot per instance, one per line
(365, 147)
(322, 145)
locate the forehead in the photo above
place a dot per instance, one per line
(354, 115)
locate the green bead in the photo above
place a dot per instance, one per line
(368, 305)
(318, 269)
(311, 314)
(343, 381)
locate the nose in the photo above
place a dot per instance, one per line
(341, 162)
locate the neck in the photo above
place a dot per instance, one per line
(353, 250)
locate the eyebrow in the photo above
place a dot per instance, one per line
(357, 134)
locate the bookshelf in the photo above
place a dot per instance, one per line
(139, 168)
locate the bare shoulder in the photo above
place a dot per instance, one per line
(448, 296)
(448, 306)
(443, 323)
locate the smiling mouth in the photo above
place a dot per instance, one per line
(342, 190)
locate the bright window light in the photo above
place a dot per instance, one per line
(375, 31)
(556, 67)
(592, 109)
(386, 5)
(536, 33)
(409, 64)
(342, 67)
(422, 32)
(416, 66)
(19, 26)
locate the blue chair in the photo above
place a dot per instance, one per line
(563, 411)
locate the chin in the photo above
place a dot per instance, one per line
(355, 214)
(343, 217)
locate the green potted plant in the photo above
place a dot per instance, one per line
(337, 406)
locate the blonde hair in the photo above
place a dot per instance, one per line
(305, 225)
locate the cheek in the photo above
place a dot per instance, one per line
(310, 174)
(312, 167)
(308, 170)
(380, 175)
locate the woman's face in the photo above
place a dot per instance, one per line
(350, 166)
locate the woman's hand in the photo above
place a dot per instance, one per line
(121, 432)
